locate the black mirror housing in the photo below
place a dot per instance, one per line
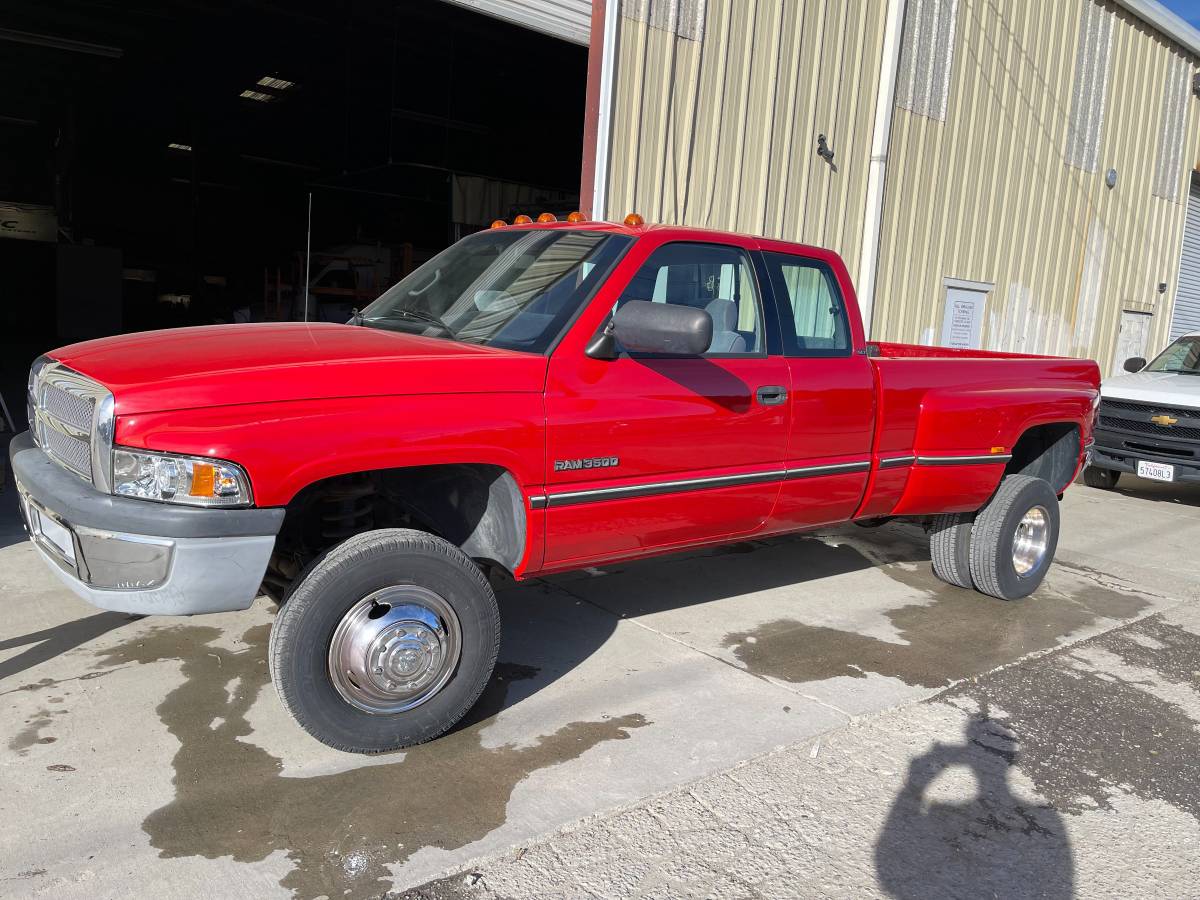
(1135, 364)
(663, 328)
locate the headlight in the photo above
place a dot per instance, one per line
(193, 480)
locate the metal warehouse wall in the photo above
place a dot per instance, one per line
(1043, 99)
(717, 106)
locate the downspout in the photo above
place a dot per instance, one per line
(612, 11)
(885, 98)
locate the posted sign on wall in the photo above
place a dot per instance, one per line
(27, 222)
(962, 322)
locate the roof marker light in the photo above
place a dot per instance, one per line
(522, 220)
(547, 217)
(576, 216)
(498, 223)
(633, 220)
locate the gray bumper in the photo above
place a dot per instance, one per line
(136, 556)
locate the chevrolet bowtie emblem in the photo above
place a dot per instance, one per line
(1163, 420)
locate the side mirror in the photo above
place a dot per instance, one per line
(666, 328)
(1135, 364)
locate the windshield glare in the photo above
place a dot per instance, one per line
(1181, 358)
(502, 288)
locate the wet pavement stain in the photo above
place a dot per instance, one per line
(31, 734)
(956, 635)
(1087, 733)
(341, 831)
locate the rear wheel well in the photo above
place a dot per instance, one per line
(478, 508)
(1049, 452)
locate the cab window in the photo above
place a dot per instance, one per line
(812, 311)
(713, 277)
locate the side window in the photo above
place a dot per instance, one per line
(716, 278)
(817, 324)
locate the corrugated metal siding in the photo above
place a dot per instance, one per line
(1176, 89)
(721, 132)
(570, 20)
(990, 195)
(1089, 87)
(1185, 317)
(926, 57)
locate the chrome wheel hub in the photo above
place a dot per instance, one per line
(394, 649)
(1030, 541)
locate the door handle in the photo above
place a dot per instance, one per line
(771, 395)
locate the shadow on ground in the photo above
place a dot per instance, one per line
(979, 841)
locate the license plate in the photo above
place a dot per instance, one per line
(54, 534)
(1155, 471)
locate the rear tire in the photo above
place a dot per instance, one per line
(387, 642)
(1106, 479)
(1014, 539)
(950, 548)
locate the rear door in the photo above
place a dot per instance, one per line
(831, 391)
(646, 453)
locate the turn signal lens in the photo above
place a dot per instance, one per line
(576, 216)
(499, 223)
(633, 220)
(203, 478)
(522, 220)
(547, 217)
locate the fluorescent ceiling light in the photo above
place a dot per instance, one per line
(276, 84)
(185, 147)
(257, 95)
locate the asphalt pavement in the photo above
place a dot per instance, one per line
(800, 717)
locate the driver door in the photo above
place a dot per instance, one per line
(652, 453)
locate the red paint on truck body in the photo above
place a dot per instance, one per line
(295, 403)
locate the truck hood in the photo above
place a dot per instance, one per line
(1154, 387)
(275, 362)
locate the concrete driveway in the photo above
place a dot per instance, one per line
(151, 757)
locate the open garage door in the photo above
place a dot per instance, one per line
(183, 143)
(569, 20)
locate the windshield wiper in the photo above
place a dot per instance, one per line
(415, 315)
(1180, 371)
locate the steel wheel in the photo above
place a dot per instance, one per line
(1030, 541)
(394, 649)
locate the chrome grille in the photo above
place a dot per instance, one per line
(70, 409)
(73, 453)
(68, 412)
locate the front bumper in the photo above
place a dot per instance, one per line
(137, 556)
(1121, 459)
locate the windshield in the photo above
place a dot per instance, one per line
(1181, 358)
(502, 288)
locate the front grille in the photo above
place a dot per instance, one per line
(1171, 431)
(1136, 418)
(73, 453)
(63, 408)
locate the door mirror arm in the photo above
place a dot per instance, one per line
(604, 344)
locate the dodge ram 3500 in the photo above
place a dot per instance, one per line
(537, 398)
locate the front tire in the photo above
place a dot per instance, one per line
(1106, 479)
(387, 642)
(1014, 538)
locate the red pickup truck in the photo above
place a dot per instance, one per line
(537, 398)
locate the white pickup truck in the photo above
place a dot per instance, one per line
(1149, 420)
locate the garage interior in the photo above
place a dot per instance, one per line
(173, 148)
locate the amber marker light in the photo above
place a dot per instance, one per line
(522, 220)
(498, 223)
(633, 220)
(547, 217)
(204, 479)
(576, 217)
